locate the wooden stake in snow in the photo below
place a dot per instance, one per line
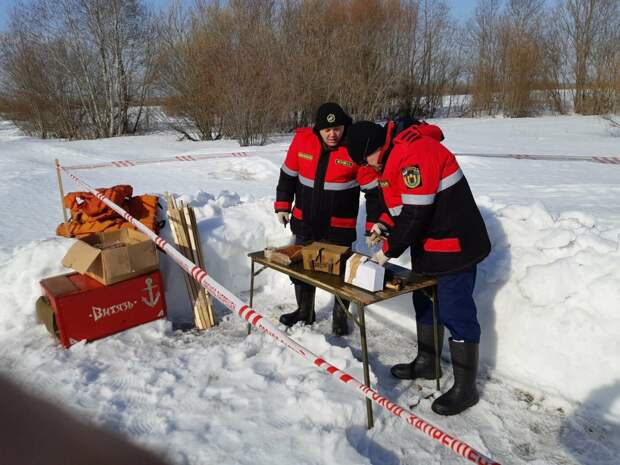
(185, 232)
(62, 196)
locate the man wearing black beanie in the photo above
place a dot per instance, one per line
(431, 210)
(320, 185)
(331, 115)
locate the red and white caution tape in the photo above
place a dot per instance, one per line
(149, 161)
(603, 159)
(607, 160)
(262, 324)
(210, 156)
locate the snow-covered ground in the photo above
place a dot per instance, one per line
(548, 299)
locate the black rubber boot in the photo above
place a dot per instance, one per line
(464, 393)
(340, 321)
(305, 306)
(424, 364)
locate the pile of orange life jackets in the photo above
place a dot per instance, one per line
(90, 215)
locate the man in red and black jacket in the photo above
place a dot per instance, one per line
(431, 210)
(320, 185)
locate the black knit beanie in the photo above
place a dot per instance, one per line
(330, 115)
(363, 138)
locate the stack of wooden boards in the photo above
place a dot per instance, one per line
(185, 232)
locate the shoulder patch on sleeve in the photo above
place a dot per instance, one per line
(412, 176)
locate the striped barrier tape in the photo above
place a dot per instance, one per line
(148, 161)
(262, 324)
(603, 159)
(210, 156)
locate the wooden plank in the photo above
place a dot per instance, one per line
(201, 318)
(62, 198)
(201, 321)
(187, 252)
(178, 235)
(175, 227)
(204, 298)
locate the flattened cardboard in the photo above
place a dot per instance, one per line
(114, 256)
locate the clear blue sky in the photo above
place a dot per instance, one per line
(460, 8)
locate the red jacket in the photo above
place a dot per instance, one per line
(321, 187)
(430, 207)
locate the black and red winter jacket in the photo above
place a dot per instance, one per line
(430, 207)
(322, 187)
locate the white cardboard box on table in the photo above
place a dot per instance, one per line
(362, 272)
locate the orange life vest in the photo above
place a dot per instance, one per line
(89, 215)
(85, 203)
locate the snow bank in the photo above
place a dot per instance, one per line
(20, 273)
(548, 299)
(548, 294)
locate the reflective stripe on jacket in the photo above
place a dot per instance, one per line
(321, 188)
(430, 206)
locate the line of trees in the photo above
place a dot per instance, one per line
(247, 68)
(77, 68)
(526, 58)
(254, 66)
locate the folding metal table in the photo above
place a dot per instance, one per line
(335, 285)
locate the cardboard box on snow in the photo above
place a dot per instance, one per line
(362, 272)
(76, 307)
(114, 256)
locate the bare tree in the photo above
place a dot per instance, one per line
(91, 64)
(223, 70)
(591, 29)
(251, 101)
(556, 74)
(521, 56)
(485, 47)
(186, 75)
(425, 55)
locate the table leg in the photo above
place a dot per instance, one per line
(362, 325)
(436, 334)
(346, 309)
(251, 292)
